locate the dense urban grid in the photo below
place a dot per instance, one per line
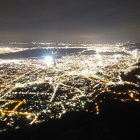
(35, 90)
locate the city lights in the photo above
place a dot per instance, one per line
(42, 89)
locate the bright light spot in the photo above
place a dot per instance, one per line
(84, 72)
(9, 61)
(99, 57)
(117, 55)
(49, 60)
(135, 53)
(7, 48)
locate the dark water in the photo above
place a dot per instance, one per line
(37, 53)
(113, 53)
(90, 52)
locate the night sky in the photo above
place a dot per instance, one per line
(70, 20)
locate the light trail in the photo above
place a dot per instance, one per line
(54, 92)
(34, 119)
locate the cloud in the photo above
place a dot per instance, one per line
(73, 19)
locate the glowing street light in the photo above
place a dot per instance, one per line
(49, 60)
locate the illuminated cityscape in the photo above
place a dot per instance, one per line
(69, 69)
(66, 78)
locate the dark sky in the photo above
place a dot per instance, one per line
(70, 20)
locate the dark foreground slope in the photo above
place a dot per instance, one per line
(117, 120)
